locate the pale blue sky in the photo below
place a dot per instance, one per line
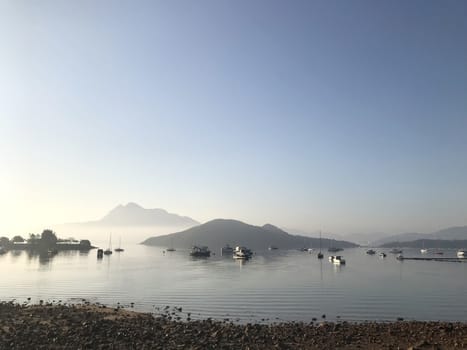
(346, 116)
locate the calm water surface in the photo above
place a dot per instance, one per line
(273, 286)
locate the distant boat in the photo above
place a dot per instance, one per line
(337, 260)
(242, 253)
(100, 253)
(272, 247)
(171, 248)
(370, 252)
(423, 250)
(108, 251)
(382, 255)
(334, 249)
(461, 253)
(226, 250)
(320, 255)
(119, 249)
(200, 252)
(395, 251)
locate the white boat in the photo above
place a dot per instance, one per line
(242, 253)
(461, 253)
(382, 255)
(337, 260)
(424, 250)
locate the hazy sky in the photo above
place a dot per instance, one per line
(346, 116)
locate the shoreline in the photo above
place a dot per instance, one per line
(95, 326)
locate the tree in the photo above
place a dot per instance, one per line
(17, 239)
(48, 238)
(4, 241)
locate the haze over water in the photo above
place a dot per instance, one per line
(273, 286)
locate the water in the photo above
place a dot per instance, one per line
(274, 286)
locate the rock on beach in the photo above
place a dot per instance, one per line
(98, 327)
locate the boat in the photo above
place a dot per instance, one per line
(400, 257)
(423, 250)
(461, 253)
(100, 253)
(242, 253)
(171, 248)
(395, 251)
(334, 249)
(108, 251)
(119, 249)
(272, 247)
(337, 260)
(197, 251)
(226, 250)
(370, 252)
(320, 255)
(382, 255)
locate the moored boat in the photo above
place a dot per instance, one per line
(337, 260)
(382, 255)
(200, 251)
(242, 253)
(461, 253)
(395, 251)
(371, 252)
(226, 250)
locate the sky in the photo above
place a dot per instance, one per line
(343, 116)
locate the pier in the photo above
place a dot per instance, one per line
(460, 260)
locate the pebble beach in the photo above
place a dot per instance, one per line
(87, 326)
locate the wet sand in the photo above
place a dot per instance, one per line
(99, 327)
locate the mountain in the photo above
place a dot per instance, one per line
(133, 214)
(217, 233)
(451, 233)
(428, 243)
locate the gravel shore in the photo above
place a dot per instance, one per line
(99, 327)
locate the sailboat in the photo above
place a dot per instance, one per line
(171, 248)
(108, 251)
(119, 249)
(320, 255)
(423, 250)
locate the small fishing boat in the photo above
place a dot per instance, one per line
(272, 247)
(119, 249)
(334, 249)
(171, 248)
(461, 253)
(424, 250)
(395, 251)
(108, 251)
(226, 250)
(200, 252)
(337, 260)
(320, 255)
(100, 253)
(370, 252)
